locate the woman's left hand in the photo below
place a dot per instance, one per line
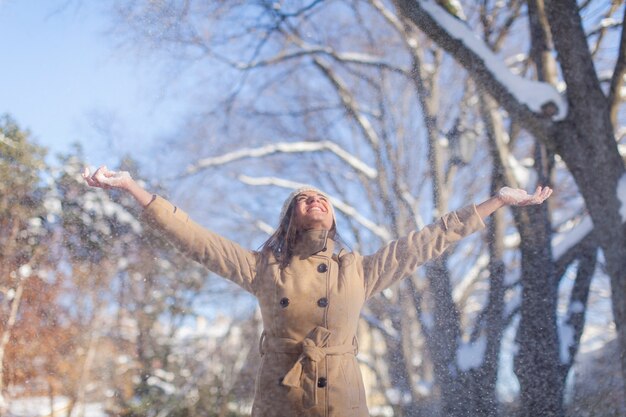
(519, 197)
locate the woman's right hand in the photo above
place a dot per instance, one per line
(103, 178)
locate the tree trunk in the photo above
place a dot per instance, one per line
(484, 381)
(537, 362)
(589, 149)
(597, 181)
(92, 346)
(444, 341)
(399, 348)
(6, 336)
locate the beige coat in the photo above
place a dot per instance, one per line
(311, 308)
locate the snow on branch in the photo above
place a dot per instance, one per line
(533, 94)
(606, 23)
(346, 209)
(307, 49)
(564, 241)
(512, 91)
(621, 195)
(285, 147)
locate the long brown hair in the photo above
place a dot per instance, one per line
(282, 241)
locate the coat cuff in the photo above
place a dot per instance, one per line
(466, 220)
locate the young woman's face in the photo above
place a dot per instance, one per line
(312, 210)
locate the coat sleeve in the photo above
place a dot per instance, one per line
(401, 257)
(220, 255)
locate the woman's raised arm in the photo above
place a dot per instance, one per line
(218, 254)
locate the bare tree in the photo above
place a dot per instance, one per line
(583, 134)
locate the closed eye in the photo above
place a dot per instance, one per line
(304, 197)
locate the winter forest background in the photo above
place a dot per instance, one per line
(401, 111)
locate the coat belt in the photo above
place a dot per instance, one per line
(313, 349)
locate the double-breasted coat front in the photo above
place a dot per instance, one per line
(311, 307)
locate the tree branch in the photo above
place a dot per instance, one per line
(298, 12)
(605, 24)
(489, 72)
(511, 315)
(306, 49)
(573, 244)
(285, 147)
(566, 245)
(541, 49)
(617, 81)
(513, 173)
(576, 63)
(515, 11)
(349, 103)
(575, 318)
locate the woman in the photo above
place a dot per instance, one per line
(310, 295)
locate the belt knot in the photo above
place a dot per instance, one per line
(312, 351)
(304, 373)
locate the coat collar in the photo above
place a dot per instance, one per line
(311, 242)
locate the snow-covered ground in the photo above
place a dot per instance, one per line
(40, 407)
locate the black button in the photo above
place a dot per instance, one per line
(322, 268)
(321, 383)
(284, 302)
(280, 380)
(322, 302)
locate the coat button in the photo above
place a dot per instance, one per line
(284, 302)
(322, 268)
(321, 383)
(322, 302)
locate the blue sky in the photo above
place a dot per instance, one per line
(63, 79)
